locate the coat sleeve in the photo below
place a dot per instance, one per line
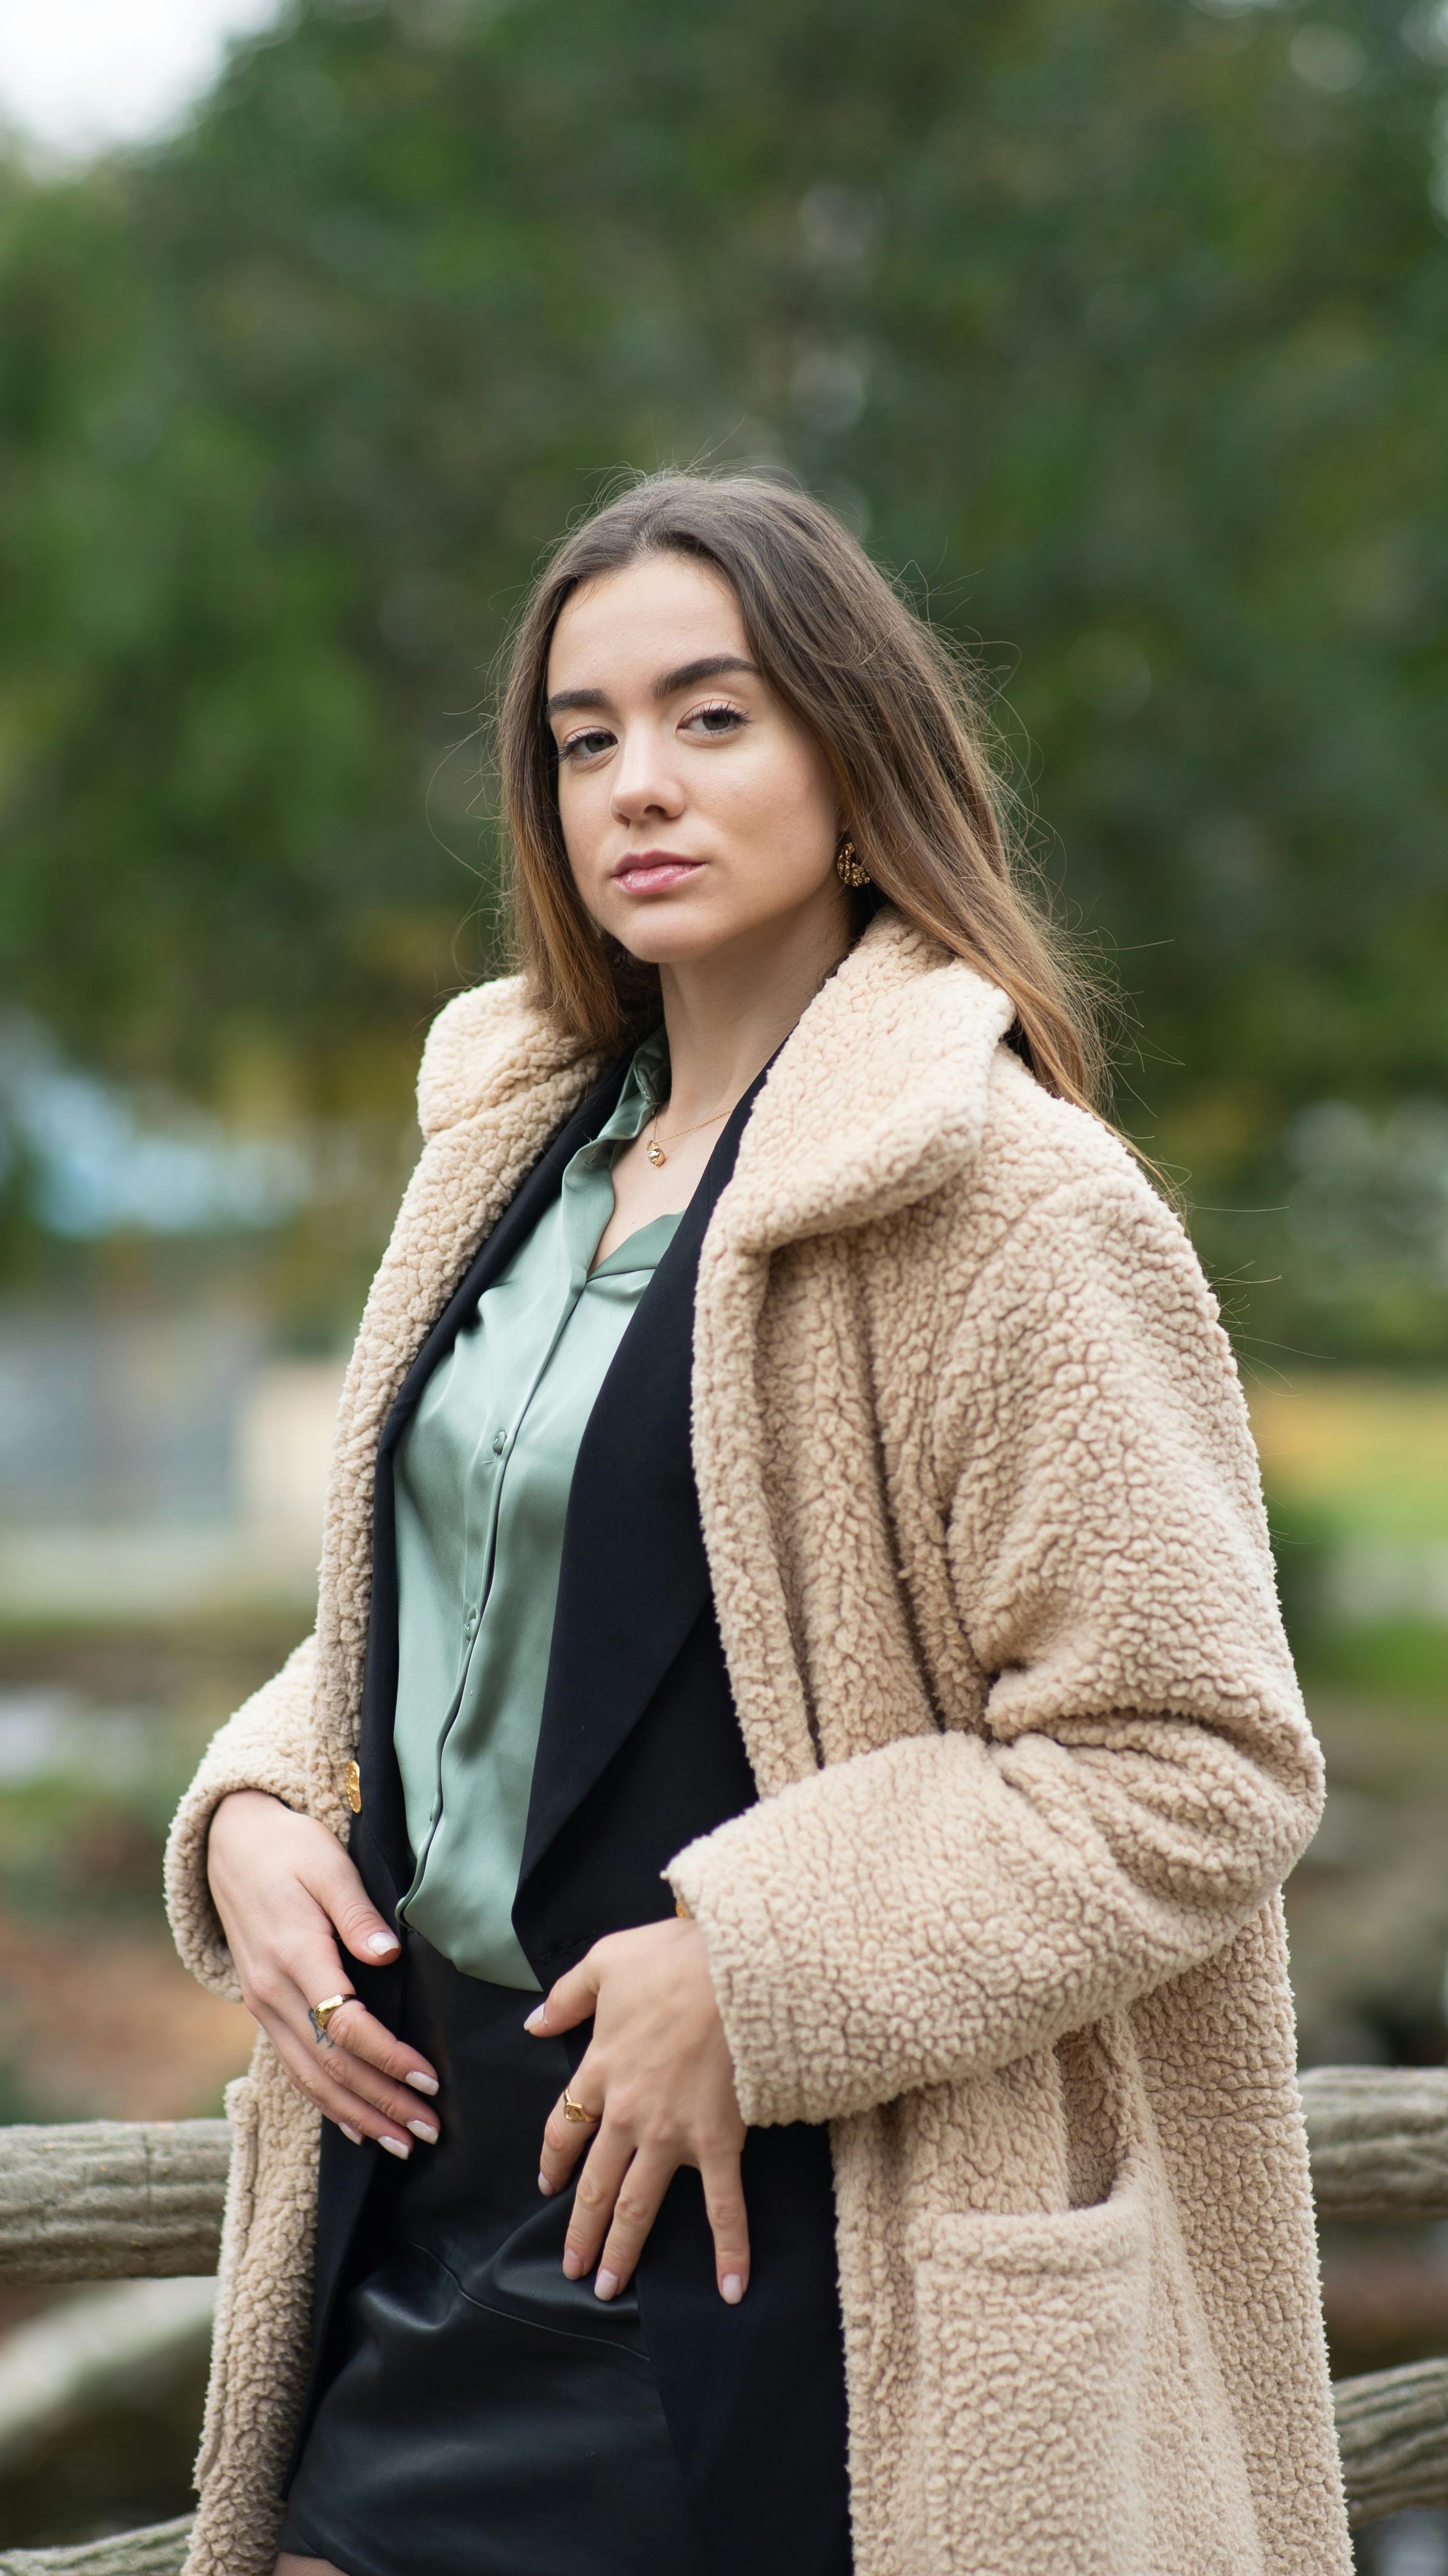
(1143, 1774)
(264, 1746)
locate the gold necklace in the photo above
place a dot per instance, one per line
(654, 1150)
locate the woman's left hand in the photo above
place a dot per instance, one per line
(657, 2074)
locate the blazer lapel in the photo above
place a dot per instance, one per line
(383, 1820)
(634, 1575)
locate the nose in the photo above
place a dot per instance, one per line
(644, 779)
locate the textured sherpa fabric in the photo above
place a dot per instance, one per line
(987, 1543)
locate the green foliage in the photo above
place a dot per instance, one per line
(69, 1854)
(1398, 1659)
(1119, 328)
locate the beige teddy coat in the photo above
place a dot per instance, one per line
(988, 1550)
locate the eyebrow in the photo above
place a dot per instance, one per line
(710, 666)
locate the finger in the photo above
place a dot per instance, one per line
(357, 2118)
(724, 2206)
(334, 1879)
(599, 2185)
(359, 2076)
(281, 1997)
(569, 2002)
(305, 1970)
(634, 2211)
(358, 2033)
(565, 2140)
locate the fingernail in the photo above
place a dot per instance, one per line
(424, 2129)
(395, 2146)
(732, 2288)
(572, 2265)
(355, 2135)
(421, 2083)
(605, 2286)
(534, 2020)
(545, 2185)
(377, 1942)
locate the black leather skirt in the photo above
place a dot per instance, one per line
(488, 2417)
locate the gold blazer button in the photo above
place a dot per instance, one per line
(352, 1779)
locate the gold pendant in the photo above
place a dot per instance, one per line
(655, 1152)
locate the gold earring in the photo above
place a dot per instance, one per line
(849, 866)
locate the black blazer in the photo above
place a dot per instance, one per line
(639, 1751)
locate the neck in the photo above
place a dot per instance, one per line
(725, 1014)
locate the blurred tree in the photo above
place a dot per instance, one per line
(1116, 325)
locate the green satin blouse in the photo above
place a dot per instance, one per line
(481, 1481)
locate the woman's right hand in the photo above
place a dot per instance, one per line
(287, 1894)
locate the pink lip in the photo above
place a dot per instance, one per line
(654, 871)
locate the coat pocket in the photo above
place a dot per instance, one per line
(242, 2112)
(1032, 2340)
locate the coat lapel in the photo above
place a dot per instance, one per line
(877, 1100)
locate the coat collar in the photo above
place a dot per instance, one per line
(875, 1100)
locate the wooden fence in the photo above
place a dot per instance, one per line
(110, 2200)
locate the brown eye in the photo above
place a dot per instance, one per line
(583, 745)
(717, 720)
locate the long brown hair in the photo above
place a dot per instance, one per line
(897, 713)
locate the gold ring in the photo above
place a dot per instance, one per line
(575, 2111)
(319, 2015)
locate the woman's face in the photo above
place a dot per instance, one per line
(695, 809)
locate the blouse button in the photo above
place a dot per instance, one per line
(500, 1442)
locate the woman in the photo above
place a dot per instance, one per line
(847, 1690)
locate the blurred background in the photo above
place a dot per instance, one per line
(1118, 329)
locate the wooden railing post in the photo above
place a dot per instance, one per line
(111, 2200)
(160, 2551)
